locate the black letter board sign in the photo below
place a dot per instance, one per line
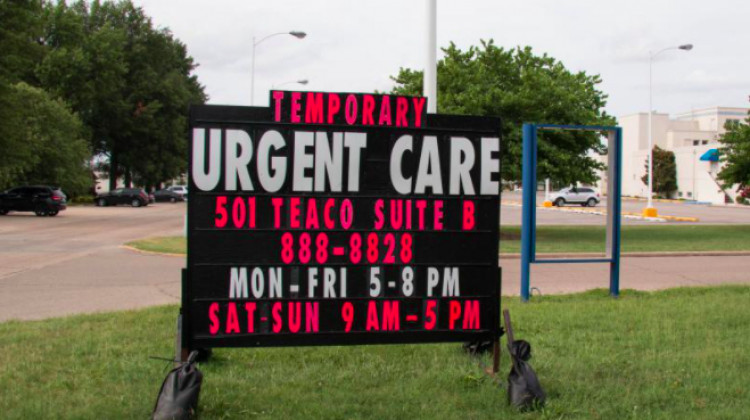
(334, 218)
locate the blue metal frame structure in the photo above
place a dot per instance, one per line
(614, 205)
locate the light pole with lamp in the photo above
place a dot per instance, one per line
(296, 34)
(300, 82)
(650, 211)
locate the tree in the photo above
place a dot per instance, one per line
(130, 83)
(522, 87)
(20, 50)
(49, 146)
(664, 180)
(20, 36)
(735, 154)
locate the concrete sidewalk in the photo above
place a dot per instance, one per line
(640, 273)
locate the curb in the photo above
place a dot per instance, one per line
(658, 200)
(635, 254)
(627, 214)
(162, 254)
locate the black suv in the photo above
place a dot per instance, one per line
(41, 199)
(136, 197)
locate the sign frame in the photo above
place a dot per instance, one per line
(236, 116)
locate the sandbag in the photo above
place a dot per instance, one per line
(524, 389)
(178, 397)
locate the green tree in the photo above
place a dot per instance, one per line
(522, 87)
(20, 40)
(665, 172)
(49, 146)
(130, 82)
(20, 50)
(735, 154)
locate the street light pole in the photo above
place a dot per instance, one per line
(650, 211)
(296, 34)
(430, 68)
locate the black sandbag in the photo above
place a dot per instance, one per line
(178, 397)
(524, 389)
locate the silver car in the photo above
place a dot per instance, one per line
(179, 189)
(575, 195)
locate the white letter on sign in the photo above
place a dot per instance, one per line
(206, 181)
(302, 161)
(271, 182)
(489, 166)
(401, 184)
(236, 163)
(328, 162)
(355, 142)
(462, 160)
(428, 174)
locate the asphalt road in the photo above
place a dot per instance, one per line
(75, 262)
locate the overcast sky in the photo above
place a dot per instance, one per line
(354, 46)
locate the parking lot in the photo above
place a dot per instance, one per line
(706, 214)
(74, 263)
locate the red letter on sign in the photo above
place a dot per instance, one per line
(430, 317)
(314, 108)
(294, 213)
(367, 108)
(276, 202)
(471, 315)
(295, 320)
(402, 107)
(221, 212)
(277, 97)
(233, 323)
(455, 313)
(311, 316)
(391, 318)
(250, 308)
(372, 316)
(296, 96)
(334, 105)
(213, 328)
(418, 107)
(468, 215)
(379, 218)
(276, 312)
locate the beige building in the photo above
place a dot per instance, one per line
(691, 136)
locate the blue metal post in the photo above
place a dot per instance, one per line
(529, 207)
(614, 267)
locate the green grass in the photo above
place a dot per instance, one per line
(659, 238)
(163, 244)
(676, 354)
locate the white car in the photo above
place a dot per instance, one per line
(179, 189)
(575, 195)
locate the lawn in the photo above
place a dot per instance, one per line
(639, 238)
(679, 353)
(658, 238)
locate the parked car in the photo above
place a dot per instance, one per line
(575, 195)
(41, 199)
(135, 197)
(167, 195)
(179, 189)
